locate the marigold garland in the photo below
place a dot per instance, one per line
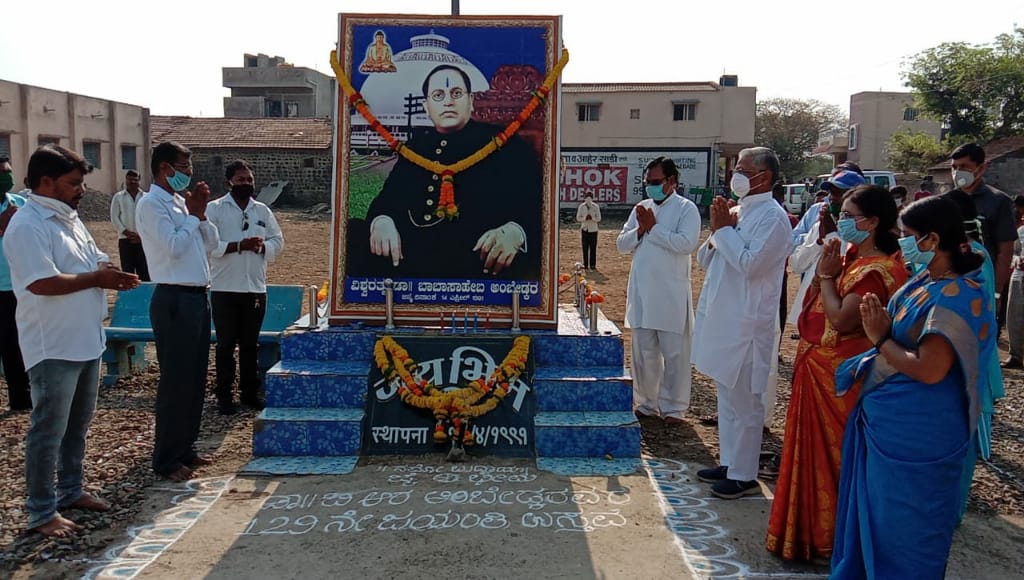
(446, 206)
(453, 410)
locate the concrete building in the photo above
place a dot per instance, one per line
(269, 87)
(877, 116)
(294, 150)
(697, 123)
(113, 136)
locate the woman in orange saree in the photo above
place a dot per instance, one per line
(802, 521)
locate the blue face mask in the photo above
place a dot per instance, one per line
(848, 232)
(179, 181)
(912, 254)
(656, 193)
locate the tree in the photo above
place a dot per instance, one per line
(913, 151)
(977, 91)
(791, 128)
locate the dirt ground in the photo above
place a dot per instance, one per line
(987, 545)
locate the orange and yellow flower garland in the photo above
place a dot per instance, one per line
(455, 408)
(446, 206)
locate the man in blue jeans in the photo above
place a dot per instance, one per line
(18, 392)
(59, 275)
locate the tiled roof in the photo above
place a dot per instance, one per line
(216, 132)
(993, 150)
(703, 86)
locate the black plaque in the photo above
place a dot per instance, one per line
(451, 362)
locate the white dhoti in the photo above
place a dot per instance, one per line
(740, 419)
(661, 372)
(771, 391)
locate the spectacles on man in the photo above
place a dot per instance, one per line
(439, 94)
(245, 221)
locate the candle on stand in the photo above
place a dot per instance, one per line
(487, 322)
(440, 322)
(465, 321)
(476, 320)
(453, 322)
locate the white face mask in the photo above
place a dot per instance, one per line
(962, 178)
(739, 184)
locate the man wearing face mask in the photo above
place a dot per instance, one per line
(18, 394)
(176, 237)
(239, 283)
(737, 313)
(807, 253)
(995, 210)
(661, 233)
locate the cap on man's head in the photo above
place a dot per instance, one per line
(843, 180)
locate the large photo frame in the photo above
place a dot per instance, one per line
(420, 197)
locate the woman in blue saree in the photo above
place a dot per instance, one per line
(907, 439)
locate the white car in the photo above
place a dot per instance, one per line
(794, 199)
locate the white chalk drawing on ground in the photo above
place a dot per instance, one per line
(702, 540)
(562, 509)
(146, 543)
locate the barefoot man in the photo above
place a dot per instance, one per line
(59, 275)
(176, 237)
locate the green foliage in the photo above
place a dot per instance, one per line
(913, 151)
(976, 90)
(365, 180)
(791, 128)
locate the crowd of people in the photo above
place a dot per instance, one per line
(52, 306)
(897, 368)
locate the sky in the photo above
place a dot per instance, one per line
(168, 55)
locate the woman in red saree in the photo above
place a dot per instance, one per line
(803, 514)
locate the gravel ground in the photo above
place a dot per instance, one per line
(117, 460)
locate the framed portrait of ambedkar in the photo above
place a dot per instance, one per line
(446, 168)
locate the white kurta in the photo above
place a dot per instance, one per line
(658, 296)
(739, 302)
(658, 305)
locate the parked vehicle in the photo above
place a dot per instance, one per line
(794, 198)
(886, 179)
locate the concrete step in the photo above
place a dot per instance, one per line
(608, 434)
(561, 350)
(320, 384)
(583, 389)
(329, 344)
(302, 431)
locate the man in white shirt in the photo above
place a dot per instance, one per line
(239, 283)
(122, 215)
(589, 216)
(177, 236)
(734, 340)
(661, 233)
(59, 275)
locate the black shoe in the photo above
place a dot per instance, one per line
(255, 402)
(1012, 363)
(769, 470)
(709, 420)
(713, 474)
(227, 408)
(732, 489)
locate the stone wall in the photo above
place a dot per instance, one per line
(308, 172)
(1007, 173)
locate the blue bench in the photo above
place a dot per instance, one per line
(130, 329)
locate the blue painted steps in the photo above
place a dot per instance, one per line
(608, 434)
(319, 384)
(304, 431)
(583, 389)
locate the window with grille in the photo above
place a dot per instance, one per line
(910, 114)
(91, 152)
(684, 111)
(634, 113)
(129, 157)
(589, 111)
